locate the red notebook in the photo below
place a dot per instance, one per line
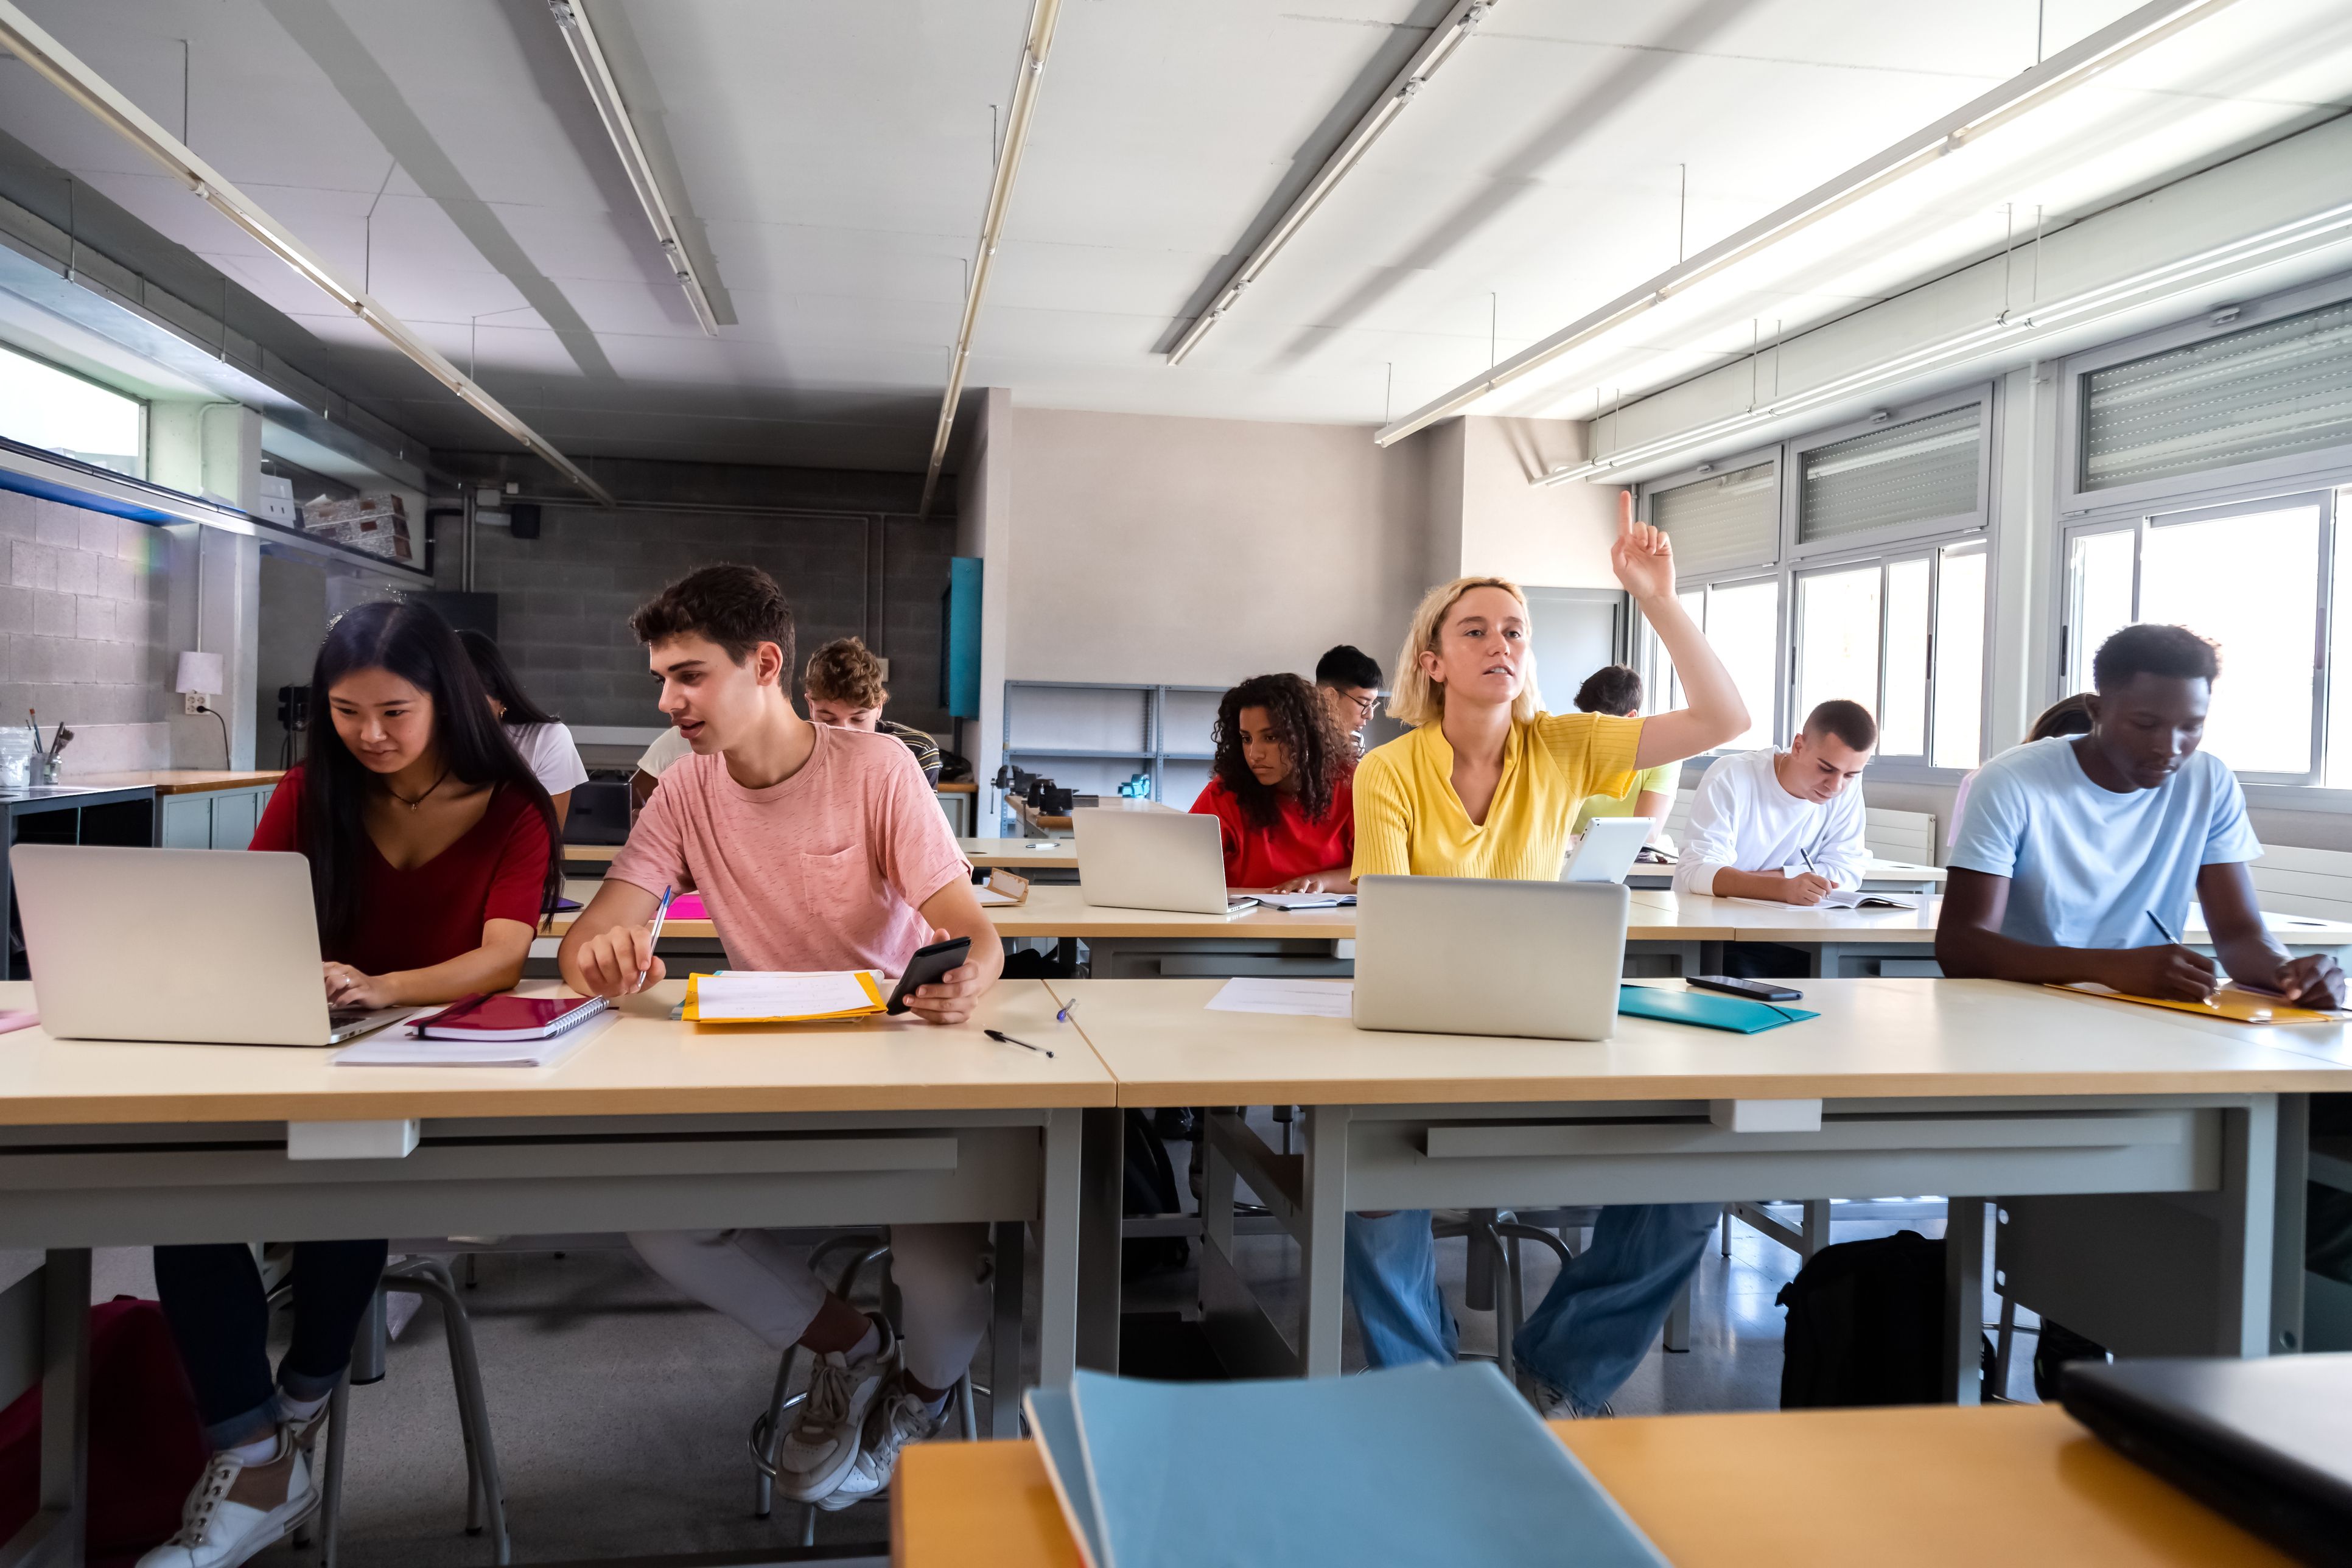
(507, 1017)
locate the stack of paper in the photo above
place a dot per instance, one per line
(1302, 999)
(781, 996)
(396, 1048)
(1418, 1465)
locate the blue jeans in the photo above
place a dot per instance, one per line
(1595, 1325)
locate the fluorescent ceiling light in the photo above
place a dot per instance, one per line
(2018, 96)
(26, 40)
(2192, 275)
(1042, 17)
(1434, 51)
(571, 18)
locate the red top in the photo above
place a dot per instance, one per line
(1260, 857)
(431, 913)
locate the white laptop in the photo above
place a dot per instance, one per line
(1607, 850)
(1153, 860)
(1466, 956)
(208, 945)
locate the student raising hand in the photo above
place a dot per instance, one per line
(1641, 557)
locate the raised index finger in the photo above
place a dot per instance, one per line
(1625, 513)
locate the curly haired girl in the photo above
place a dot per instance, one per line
(1280, 789)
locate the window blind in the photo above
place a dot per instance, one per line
(1724, 519)
(1910, 472)
(2270, 391)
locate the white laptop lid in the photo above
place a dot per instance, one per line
(211, 945)
(1151, 860)
(1607, 850)
(1466, 956)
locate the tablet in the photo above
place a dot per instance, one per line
(1606, 851)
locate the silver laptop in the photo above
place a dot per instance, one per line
(1465, 955)
(1153, 860)
(1607, 850)
(208, 945)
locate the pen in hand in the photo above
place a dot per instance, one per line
(660, 915)
(1001, 1037)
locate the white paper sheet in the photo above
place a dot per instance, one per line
(396, 1048)
(1835, 899)
(1300, 998)
(1294, 901)
(778, 994)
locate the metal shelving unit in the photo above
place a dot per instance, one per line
(1048, 722)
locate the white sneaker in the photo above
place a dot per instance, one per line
(1552, 1403)
(822, 1444)
(240, 1510)
(900, 1416)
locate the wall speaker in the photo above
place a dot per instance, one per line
(523, 518)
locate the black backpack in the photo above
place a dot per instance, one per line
(1865, 1325)
(1149, 1189)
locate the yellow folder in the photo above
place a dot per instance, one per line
(874, 1004)
(2233, 1003)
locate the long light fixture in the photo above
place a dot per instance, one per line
(1434, 51)
(1043, 14)
(588, 54)
(2221, 265)
(29, 42)
(2021, 95)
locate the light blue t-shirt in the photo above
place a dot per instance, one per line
(2086, 866)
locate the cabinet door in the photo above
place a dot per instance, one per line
(235, 812)
(188, 822)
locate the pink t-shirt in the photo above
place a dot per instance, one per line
(825, 870)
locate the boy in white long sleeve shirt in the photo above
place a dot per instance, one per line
(1784, 825)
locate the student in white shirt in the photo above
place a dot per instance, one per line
(1784, 825)
(545, 745)
(667, 749)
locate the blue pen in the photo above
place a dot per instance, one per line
(660, 915)
(2161, 929)
(1068, 1007)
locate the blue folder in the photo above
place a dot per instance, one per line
(1707, 1009)
(1399, 1469)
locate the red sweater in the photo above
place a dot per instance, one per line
(431, 913)
(1261, 857)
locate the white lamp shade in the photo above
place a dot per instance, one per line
(200, 673)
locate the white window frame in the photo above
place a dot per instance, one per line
(2139, 522)
(2303, 470)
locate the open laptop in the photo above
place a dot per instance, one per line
(1606, 851)
(1466, 956)
(2267, 1441)
(213, 946)
(1153, 860)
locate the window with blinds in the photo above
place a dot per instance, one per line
(1724, 519)
(1912, 472)
(2271, 391)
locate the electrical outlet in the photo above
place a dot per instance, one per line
(193, 700)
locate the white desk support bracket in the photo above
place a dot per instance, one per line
(1766, 1115)
(352, 1140)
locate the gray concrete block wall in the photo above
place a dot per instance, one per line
(83, 608)
(564, 598)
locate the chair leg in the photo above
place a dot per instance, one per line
(1677, 1335)
(331, 1490)
(1726, 1230)
(486, 1491)
(969, 1417)
(2006, 1343)
(768, 1437)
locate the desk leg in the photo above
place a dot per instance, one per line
(1005, 1331)
(1323, 1221)
(1057, 1251)
(53, 1537)
(1964, 1239)
(2289, 1195)
(1100, 1250)
(2251, 1165)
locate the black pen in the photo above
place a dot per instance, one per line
(1003, 1038)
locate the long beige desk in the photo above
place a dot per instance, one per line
(1902, 943)
(1947, 1086)
(651, 1124)
(1711, 1492)
(1058, 856)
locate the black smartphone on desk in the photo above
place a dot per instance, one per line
(1754, 990)
(929, 963)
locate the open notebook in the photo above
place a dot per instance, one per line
(1411, 1464)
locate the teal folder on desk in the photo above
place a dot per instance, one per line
(1400, 1469)
(1707, 1009)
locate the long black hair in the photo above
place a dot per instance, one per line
(417, 645)
(1320, 754)
(499, 680)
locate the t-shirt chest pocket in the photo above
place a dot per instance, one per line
(843, 873)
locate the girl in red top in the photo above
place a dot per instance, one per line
(1279, 789)
(432, 853)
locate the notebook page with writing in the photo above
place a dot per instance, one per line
(743, 995)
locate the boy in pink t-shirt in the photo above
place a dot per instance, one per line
(813, 848)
